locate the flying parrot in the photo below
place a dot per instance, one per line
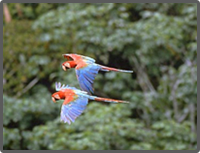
(75, 101)
(86, 70)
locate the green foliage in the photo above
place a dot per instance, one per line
(30, 11)
(27, 59)
(110, 130)
(11, 138)
(157, 41)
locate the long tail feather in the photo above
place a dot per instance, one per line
(106, 99)
(105, 68)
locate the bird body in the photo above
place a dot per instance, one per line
(75, 101)
(86, 70)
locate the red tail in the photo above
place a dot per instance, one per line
(105, 68)
(109, 100)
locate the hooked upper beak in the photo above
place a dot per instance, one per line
(66, 66)
(53, 99)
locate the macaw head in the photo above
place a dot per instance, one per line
(57, 96)
(66, 65)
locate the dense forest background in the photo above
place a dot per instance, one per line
(157, 41)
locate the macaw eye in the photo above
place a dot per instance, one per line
(67, 65)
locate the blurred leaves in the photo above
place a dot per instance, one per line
(157, 41)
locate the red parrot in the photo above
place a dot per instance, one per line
(86, 70)
(75, 101)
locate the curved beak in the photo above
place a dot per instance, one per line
(64, 68)
(53, 99)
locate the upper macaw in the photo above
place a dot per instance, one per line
(86, 70)
(75, 101)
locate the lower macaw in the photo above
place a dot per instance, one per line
(75, 101)
(86, 70)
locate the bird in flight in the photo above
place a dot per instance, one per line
(86, 70)
(75, 101)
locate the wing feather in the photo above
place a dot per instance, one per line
(70, 111)
(59, 87)
(76, 57)
(86, 76)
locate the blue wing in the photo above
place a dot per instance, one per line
(72, 110)
(59, 87)
(86, 76)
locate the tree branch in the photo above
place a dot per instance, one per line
(28, 87)
(6, 13)
(175, 104)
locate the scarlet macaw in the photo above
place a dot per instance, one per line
(75, 101)
(86, 70)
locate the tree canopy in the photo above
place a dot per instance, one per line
(157, 41)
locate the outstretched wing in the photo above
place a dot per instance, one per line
(86, 76)
(71, 108)
(59, 87)
(76, 57)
